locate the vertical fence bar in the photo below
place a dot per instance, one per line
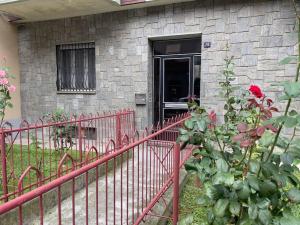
(176, 183)
(80, 140)
(4, 165)
(118, 130)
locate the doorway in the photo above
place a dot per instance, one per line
(176, 68)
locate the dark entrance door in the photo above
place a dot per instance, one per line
(176, 76)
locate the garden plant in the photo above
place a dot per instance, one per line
(62, 133)
(248, 161)
(6, 89)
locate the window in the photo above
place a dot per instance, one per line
(76, 67)
(182, 46)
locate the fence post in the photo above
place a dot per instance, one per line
(118, 130)
(80, 139)
(176, 161)
(4, 166)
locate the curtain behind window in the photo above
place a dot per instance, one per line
(76, 67)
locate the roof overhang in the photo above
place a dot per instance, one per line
(40, 10)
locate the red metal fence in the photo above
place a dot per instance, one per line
(128, 182)
(43, 145)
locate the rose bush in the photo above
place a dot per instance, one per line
(6, 89)
(247, 166)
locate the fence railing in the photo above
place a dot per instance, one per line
(42, 146)
(128, 183)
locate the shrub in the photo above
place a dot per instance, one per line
(61, 132)
(247, 166)
(6, 89)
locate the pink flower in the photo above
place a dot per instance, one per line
(2, 73)
(3, 81)
(11, 88)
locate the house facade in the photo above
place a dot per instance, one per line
(149, 57)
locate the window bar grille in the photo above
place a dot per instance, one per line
(76, 67)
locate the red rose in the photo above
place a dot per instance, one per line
(256, 91)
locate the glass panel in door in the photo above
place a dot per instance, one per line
(176, 85)
(176, 80)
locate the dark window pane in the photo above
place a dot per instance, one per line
(176, 80)
(66, 69)
(91, 69)
(197, 71)
(79, 69)
(183, 46)
(76, 67)
(156, 71)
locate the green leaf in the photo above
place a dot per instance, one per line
(222, 165)
(275, 200)
(290, 122)
(286, 158)
(182, 131)
(264, 216)
(235, 207)
(244, 193)
(268, 169)
(282, 142)
(253, 182)
(191, 166)
(210, 191)
(205, 162)
(237, 185)
(294, 195)
(201, 125)
(288, 220)
(267, 139)
(223, 178)
(184, 138)
(246, 221)
(280, 119)
(210, 216)
(253, 211)
(264, 204)
(220, 207)
(283, 97)
(189, 124)
(267, 188)
(9, 105)
(280, 179)
(254, 166)
(293, 179)
(293, 113)
(292, 89)
(296, 142)
(288, 59)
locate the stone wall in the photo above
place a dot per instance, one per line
(259, 34)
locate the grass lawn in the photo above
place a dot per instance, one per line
(45, 160)
(188, 203)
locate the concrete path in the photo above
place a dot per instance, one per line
(126, 173)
